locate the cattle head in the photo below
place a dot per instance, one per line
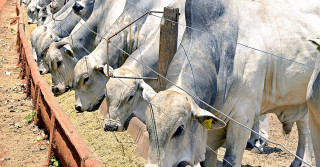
(43, 43)
(89, 84)
(32, 12)
(83, 8)
(43, 14)
(36, 33)
(122, 100)
(169, 121)
(62, 61)
(56, 5)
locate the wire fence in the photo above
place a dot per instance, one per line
(196, 97)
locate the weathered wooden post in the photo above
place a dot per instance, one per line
(168, 42)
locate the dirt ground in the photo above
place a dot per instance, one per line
(19, 145)
(115, 148)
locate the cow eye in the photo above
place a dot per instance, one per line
(85, 79)
(59, 63)
(178, 131)
(130, 98)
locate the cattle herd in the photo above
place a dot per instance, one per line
(236, 61)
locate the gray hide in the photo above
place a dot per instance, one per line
(90, 94)
(242, 87)
(117, 90)
(81, 42)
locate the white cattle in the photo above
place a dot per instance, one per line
(53, 24)
(88, 80)
(34, 7)
(118, 91)
(81, 42)
(65, 22)
(242, 85)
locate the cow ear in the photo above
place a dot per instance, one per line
(147, 92)
(105, 70)
(68, 50)
(206, 118)
(99, 68)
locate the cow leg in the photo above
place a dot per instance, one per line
(254, 137)
(304, 149)
(264, 132)
(215, 140)
(237, 137)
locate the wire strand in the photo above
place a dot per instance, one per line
(196, 97)
(193, 135)
(250, 47)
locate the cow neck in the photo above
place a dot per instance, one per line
(148, 54)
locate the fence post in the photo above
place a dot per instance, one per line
(168, 42)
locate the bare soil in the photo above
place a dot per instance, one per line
(115, 148)
(18, 137)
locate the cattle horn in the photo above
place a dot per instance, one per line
(99, 68)
(60, 44)
(315, 41)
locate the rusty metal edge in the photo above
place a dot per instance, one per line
(66, 142)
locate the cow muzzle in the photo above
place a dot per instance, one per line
(112, 125)
(58, 91)
(78, 108)
(77, 7)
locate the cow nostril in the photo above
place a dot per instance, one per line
(78, 108)
(77, 7)
(184, 164)
(55, 90)
(110, 127)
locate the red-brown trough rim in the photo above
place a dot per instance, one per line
(72, 134)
